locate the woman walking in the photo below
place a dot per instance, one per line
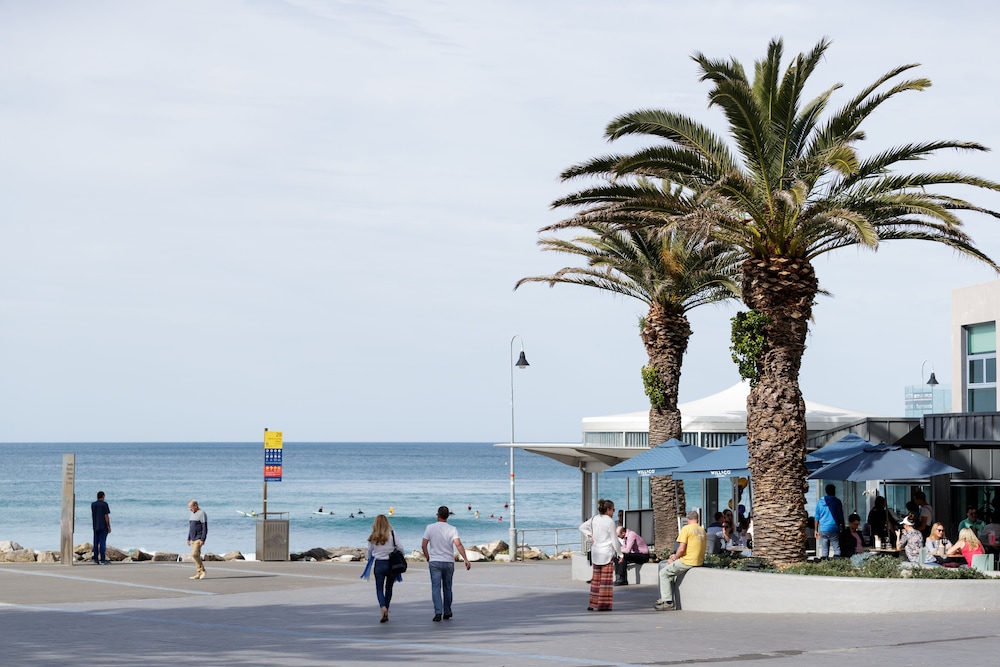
(381, 543)
(604, 553)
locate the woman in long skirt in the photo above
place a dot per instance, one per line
(604, 553)
(381, 543)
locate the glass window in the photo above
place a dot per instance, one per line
(983, 400)
(981, 338)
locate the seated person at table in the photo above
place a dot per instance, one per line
(910, 540)
(850, 539)
(970, 521)
(990, 534)
(729, 536)
(716, 525)
(937, 544)
(968, 546)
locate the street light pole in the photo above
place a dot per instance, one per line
(522, 362)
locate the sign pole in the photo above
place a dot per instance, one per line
(68, 514)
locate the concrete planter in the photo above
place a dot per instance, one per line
(716, 590)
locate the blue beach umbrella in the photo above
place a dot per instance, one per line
(850, 444)
(883, 462)
(729, 461)
(733, 460)
(660, 460)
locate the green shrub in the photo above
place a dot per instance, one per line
(947, 573)
(836, 567)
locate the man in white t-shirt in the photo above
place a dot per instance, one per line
(439, 544)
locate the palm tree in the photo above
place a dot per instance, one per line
(792, 187)
(671, 273)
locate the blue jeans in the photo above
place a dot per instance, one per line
(442, 573)
(100, 545)
(384, 579)
(829, 539)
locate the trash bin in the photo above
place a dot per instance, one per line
(272, 536)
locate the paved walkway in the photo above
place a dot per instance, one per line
(521, 614)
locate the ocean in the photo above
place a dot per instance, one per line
(148, 486)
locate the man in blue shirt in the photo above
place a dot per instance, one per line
(829, 523)
(100, 515)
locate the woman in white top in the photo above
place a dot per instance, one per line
(381, 543)
(604, 553)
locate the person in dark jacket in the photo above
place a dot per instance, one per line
(197, 534)
(851, 540)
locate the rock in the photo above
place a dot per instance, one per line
(474, 556)
(346, 558)
(336, 552)
(84, 548)
(531, 553)
(502, 558)
(493, 548)
(139, 555)
(211, 557)
(233, 555)
(47, 557)
(7, 545)
(18, 556)
(316, 553)
(165, 557)
(115, 554)
(565, 553)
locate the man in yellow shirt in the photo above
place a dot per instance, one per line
(690, 553)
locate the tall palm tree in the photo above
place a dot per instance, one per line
(671, 273)
(792, 187)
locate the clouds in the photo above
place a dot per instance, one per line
(310, 215)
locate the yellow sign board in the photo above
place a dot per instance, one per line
(272, 440)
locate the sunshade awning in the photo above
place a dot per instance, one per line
(883, 462)
(660, 460)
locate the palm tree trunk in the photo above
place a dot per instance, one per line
(783, 289)
(665, 335)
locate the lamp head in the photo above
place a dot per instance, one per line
(522, 362)
(932, 381)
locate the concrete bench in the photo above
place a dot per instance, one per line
(582, 570)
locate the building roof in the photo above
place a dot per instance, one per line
(725, 411)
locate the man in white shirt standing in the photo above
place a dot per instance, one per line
(439, 544)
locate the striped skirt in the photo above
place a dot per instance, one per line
(602, 587)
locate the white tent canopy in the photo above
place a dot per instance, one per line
(724, 412)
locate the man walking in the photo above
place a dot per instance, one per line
(690, 553)
(100, 514)
(439, 544)
(829, 523)
(197, 534)
(634, 550)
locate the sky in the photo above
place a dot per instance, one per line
(221, 216)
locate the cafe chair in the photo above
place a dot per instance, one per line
(984, 563)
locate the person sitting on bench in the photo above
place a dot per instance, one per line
(634, 550)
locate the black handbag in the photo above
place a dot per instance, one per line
(397, 561)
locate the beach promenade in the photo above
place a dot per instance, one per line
(520, 614)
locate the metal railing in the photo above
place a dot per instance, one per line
(534, 537)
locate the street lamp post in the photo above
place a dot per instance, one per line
(522, 362)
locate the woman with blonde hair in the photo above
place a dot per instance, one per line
(937, 545)
(381, 543)
(968, 545)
